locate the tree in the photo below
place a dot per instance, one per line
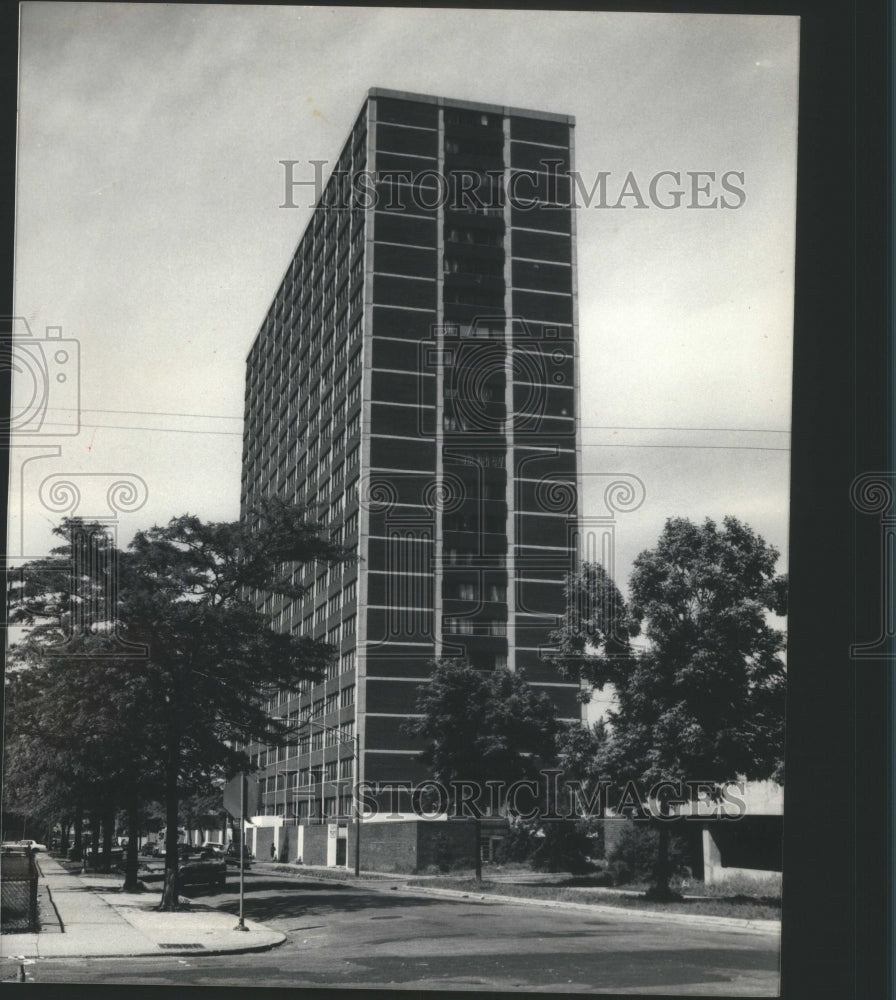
(480, 727)
(594, 641)
(216, 660)
(188, 593)
(74, 707)
(705, 701)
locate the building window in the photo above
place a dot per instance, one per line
(460, 626)
(348, 626)
(347, 696)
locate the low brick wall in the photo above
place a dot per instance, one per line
(387, 846)
(411, 846)
(314, 848)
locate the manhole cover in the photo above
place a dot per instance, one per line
(187, 944)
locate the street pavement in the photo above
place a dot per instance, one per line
(384, 934)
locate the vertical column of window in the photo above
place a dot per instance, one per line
(576, 391)
(438, 513)
(542, 245)
(510, 483)
(474, 429)
(363, 155)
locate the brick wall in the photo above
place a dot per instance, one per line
(314, 850)
(451, 844)
(390, 846)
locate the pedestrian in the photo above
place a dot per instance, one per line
(273, 853)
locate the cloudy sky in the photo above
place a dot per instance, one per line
(149, 229)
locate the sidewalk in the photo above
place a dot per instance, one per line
(81, 920)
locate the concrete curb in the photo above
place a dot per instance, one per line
(35, 952)
(629, 913)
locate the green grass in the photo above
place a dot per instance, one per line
(734, 905)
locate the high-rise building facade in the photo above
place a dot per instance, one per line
(415, 378)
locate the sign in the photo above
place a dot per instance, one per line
(232, 795)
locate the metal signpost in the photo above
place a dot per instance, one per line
(230, 804)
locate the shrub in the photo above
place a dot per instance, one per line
(518, 845)
(565, 846)
(446, 854)
(633, 855)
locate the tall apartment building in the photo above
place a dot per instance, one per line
(415, 377)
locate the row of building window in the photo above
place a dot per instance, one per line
(314, 739)
(466, 626)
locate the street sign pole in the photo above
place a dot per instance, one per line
(357, 749)
(241, 925)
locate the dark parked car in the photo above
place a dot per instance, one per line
(203, 869)
(232, 856)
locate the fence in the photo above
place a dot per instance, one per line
(18, 893)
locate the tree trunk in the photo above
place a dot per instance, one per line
(95, 837)
(108, 831)
(662, 863)
(63, 837)
(477, 855)
(660, 891)
(78, 852)
(172, 804)
(132, 862)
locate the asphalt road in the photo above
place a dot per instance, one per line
(371, 935)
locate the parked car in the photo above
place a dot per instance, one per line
(214, 845)
(149, 848)
(232, 856)
(204, 869)
(13, 847)
(32, 845)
